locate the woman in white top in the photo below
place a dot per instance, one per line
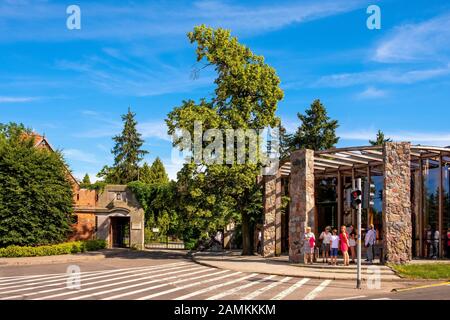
(352, 245)
(325, 236)
(334, 247)
(308, 246)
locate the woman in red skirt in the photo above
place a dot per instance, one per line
(343, 237)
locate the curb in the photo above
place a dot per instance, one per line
(318, 277)
(29, 261)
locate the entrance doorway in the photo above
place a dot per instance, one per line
(120, 232)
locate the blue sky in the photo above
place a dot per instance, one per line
(73, 85)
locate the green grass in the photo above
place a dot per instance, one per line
(424, 271)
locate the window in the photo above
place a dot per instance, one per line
(119, 196)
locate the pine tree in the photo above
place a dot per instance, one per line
(86, 182)
(154, 174)
(380, 139)
(127, 153)
(317, 131)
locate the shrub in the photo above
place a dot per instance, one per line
(51, 250)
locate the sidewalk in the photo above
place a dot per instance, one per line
(232, 260)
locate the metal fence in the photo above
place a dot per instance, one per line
(165, 245)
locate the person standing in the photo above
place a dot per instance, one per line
(352, 244)
(448, 243)
(369, 242)
(325, 236)
(334, 247)
(343, 239)
(308, 246)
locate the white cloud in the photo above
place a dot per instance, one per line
(424, 41)
(424, 138)
(371, 93)
(158, 18)
(154, 129)
(391, 76)
(4, 99)
(79, 155)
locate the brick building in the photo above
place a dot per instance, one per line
(112, 214)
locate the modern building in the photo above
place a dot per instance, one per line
(112, 214)
(406, 195)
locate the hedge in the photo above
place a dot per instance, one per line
(51, 250)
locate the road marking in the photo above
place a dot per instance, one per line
(83, 277)
(196, 293)
(237, 289)
(117, 283)
(313, 294)
(423, 287)
(260, 291)
(291, 289)
(23, 279)
(139, 285)
(351, 298)
(173, 283)
(137, 278)
(149, 270)
(382, 299)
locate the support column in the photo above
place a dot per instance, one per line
(301, 191)
(272, 215)
(397, 202)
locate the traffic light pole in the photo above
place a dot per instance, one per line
(359, 213)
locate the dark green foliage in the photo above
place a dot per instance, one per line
(380, 139)
(156, 173)
(86, 182)
(36, 198)
(51, 250)
(317, 131)
(127, 153)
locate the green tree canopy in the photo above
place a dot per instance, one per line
(156, 173)
(246, 96)
(86, 182)
(36, 197)
(127, 153)
(317, 131)
(380, 139)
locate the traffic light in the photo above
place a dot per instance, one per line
(356, 198)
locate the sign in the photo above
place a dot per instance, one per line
(136, 226)
(155, 230)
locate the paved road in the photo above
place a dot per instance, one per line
(161, 275)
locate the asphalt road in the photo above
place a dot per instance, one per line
(173, 276)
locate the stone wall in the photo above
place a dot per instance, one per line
(397, 202)
(272, 215)
(301, 191)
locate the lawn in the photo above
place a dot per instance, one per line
(424, 271)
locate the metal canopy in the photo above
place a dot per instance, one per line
(332, 161)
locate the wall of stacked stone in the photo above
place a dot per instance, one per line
(397, 202)
(301, 191)
(272, 215)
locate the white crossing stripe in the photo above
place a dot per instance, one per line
(351, 298)
(237, 289)
(117, 283)
(313, 294)
(63, 281)
(170, 283)
(291, 289)
(196, 293)
(136, 285)
(260, 291)
(23, 287)
(382, 299)
(64, 275)
(186, 286)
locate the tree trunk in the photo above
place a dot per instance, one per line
(247, 243)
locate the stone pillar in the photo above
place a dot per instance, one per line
(272, 215)
(397, 202)
(301, 191)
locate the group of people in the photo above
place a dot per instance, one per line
(332, 243)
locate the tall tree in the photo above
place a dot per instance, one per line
(86, 181)
(380, 139)
(127, 152)
(246, 97)
(317, 131)
(156, 173)
(36, 197)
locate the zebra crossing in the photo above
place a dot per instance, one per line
(169, 281)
